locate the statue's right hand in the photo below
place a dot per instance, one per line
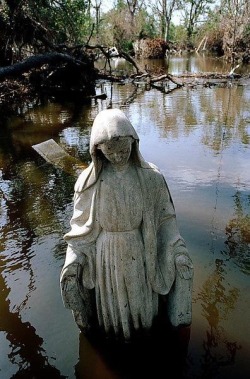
(69, 277)
(70, 287)
(69, 283)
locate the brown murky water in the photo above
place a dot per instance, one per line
(200, 139)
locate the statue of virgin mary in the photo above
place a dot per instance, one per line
(124, 247)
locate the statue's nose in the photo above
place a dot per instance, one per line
(118, 157)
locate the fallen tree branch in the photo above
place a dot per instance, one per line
(36, 62)
(208, 75)
(121, 53)
(128, 57)
(163, 90)
(166, 76)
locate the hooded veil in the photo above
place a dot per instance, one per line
(109, 124)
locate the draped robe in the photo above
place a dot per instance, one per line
(142, 278)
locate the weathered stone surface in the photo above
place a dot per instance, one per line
(124, 246)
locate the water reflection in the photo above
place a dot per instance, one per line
(175, 65)
(198, 63)
(26, 345)
(24, 215)
(217, 300)
(238, 233)
(220, 125)
(26, 351)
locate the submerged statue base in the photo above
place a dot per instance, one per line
(125, 254)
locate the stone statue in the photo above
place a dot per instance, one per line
(124, 248)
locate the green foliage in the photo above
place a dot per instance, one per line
(212, 30)
(69, 19)
(246, 35)
(173, 32)
(26, 24)
(194, 12)
(120, 5)
(117, 28)
(62, 20)
(179, 35)
(126, 46)
(148, 25)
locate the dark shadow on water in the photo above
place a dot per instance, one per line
(26, 345)
(48, 372)
(162, 354)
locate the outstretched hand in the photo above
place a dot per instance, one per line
(184, 266)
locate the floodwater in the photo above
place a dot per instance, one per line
(199, 137)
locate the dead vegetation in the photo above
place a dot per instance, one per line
(63, 77)
(35, 67)
(150, 48)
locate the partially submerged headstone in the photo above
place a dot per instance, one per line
(56, 155)
(124, 247)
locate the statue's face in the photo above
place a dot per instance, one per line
(117, 151)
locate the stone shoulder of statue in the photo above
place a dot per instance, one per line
(124, 246)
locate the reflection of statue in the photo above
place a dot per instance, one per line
(124, 247)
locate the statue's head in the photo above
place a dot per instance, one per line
(109, 124)
(113, 130)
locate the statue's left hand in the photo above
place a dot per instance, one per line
(184, 266)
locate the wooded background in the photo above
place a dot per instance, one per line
(49, 47)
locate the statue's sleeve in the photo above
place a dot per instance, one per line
(170, 243)
(85, 227)
(80, 255)
(169, 238)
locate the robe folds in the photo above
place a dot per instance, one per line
(117, 266)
